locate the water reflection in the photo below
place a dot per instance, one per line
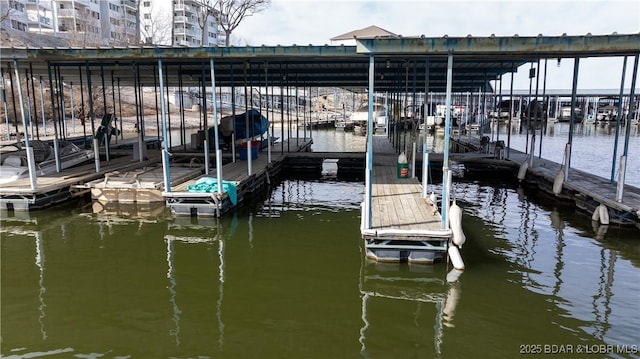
(196, 232)
(402, 287)
(579, 275)
(298, 285)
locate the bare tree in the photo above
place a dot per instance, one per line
(232, 12)
(138, 20)
(6, 7)
(204, 13)
(155, 28)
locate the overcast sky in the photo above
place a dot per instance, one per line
(304, 22)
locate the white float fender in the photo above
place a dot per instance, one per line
(558, 181)
(604, 213)
(522, 172)
(454, 275)
(596, 214)
(456, 258)
(434, 200)
(455, 222)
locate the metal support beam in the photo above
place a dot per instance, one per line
(30, 158)
(216, 140)
(369, 149)
(165, 146)
(447, 134)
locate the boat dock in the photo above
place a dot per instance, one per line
(242, 182)
(65, 185)
(586, 190)
(404, 224)
(141, 185)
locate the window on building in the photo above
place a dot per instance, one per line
(147, 16)
(146, 4)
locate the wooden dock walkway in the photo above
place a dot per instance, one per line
(404, 225)
(586, 190)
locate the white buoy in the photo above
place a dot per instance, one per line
(558, 181)
(456, 258)
(434, 200)
(596, 214)
(604, 213)
(522, 172)
(455, 221)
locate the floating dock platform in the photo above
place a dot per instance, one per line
(65, 185)
(405, 226)
(141, 185)
(183, 202)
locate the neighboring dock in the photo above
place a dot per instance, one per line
(63, 186)
(586, 190)
(404, 224)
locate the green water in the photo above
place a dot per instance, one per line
(287, 278)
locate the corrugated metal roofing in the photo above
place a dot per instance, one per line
(400, 64)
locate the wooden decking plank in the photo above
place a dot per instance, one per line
(397, 203)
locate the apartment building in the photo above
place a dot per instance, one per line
(195, 24)
(118, 22)
(191, 23)
(29, 15)
(79, 21)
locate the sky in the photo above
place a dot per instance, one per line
(304, 22)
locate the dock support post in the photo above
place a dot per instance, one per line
(216, 140)
(574, 89)
(632, 110)
(369, 147)
(30, 159)
(425, 166)
(165, 146)
(621, 175)
(615, 143)
(447, 133)
(96, 154)
(73, 115)
(413, 161)
(533, 148)
(565, 162)
(4, 103)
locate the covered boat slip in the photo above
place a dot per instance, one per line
(243, 179)
(404, 224)
(394, 67)
(61, 186)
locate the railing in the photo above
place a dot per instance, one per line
(182, 7)
(67, 13)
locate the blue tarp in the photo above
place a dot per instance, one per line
(258, 125)
(210, 184)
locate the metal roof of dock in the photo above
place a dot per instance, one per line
(398, 61)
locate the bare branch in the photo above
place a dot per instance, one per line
(6, 7)
(232, 12)
(156, 29)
